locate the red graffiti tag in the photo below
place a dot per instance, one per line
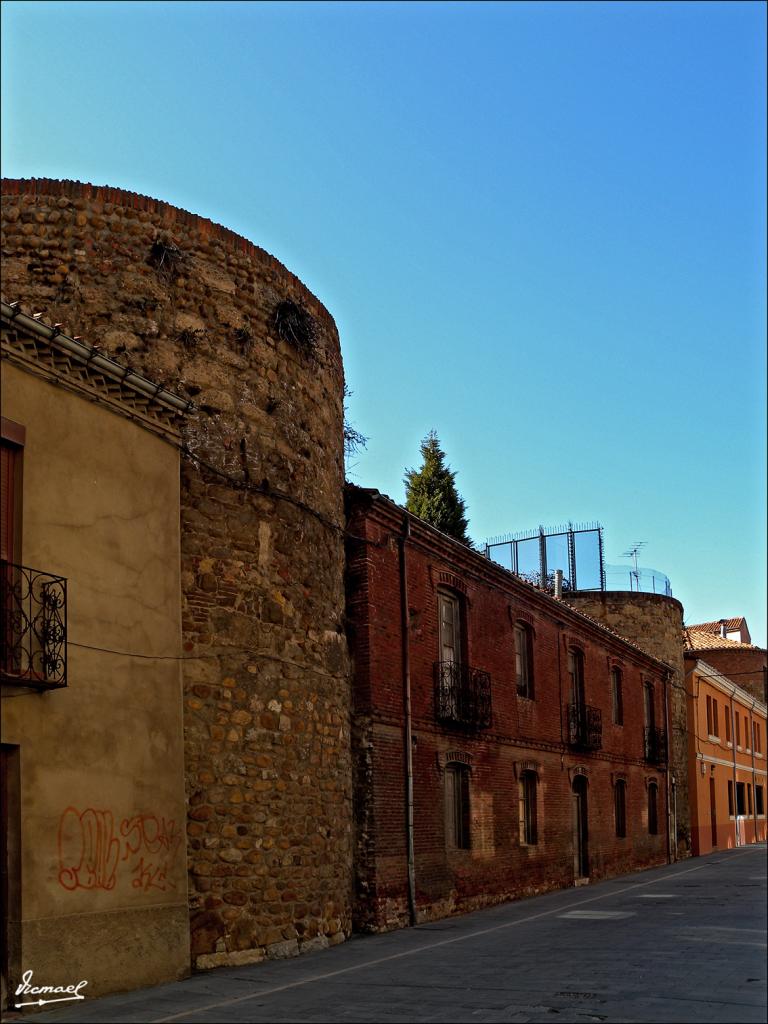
(88, 849)
(150, 833)
(156, 838)
(90, 852)
(148, 876)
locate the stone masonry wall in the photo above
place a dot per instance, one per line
(654, 623)
(266, 673)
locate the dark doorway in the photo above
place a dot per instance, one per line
(713, 810)
(580, 828)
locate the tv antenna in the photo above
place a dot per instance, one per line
(632, 552)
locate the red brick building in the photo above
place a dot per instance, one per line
(505, 744)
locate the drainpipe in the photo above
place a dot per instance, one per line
(560, 627)
(674, 811)
(406, 662)
(735, 797)
(693, 707)
(754, 776)
(670, 858)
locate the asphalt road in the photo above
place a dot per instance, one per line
(686, 942)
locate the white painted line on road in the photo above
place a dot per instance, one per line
(261, 993)
(722, 928)
(596, 915)
(657, 896)
(727, 942)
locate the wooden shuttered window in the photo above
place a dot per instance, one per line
(457, 806)
(576, 676)
(649, 709)
(449, 610)
(11, 449)
(7, 474)
(620, 808)
(523, 636)
(618, 696)
(527, 809)
(653, 810)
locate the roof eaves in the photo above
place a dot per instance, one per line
(58, 352)
(456, 546)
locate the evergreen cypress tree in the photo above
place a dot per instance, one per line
(431, 494)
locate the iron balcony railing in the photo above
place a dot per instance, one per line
(462, 695)
(585, 727)
(655, 746)
(33, 621)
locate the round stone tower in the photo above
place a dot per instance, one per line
(655, 623)
(266, 679)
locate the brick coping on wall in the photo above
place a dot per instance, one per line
(68, 189)
(489, 570)
(606, 595)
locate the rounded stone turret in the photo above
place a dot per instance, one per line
(266, 680)
(655, 623)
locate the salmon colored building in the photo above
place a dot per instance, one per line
(726, 759)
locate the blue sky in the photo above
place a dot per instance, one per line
(540, 229)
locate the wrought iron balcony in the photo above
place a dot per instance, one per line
(462, 695)
(33, 620)
(585, 727)
(656, 746)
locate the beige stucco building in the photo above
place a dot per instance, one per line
(92, 744)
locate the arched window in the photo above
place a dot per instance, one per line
(617, 696)
(653, 812)
(457, 831)
(527, 805)
(524, 659)
(620, 807)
